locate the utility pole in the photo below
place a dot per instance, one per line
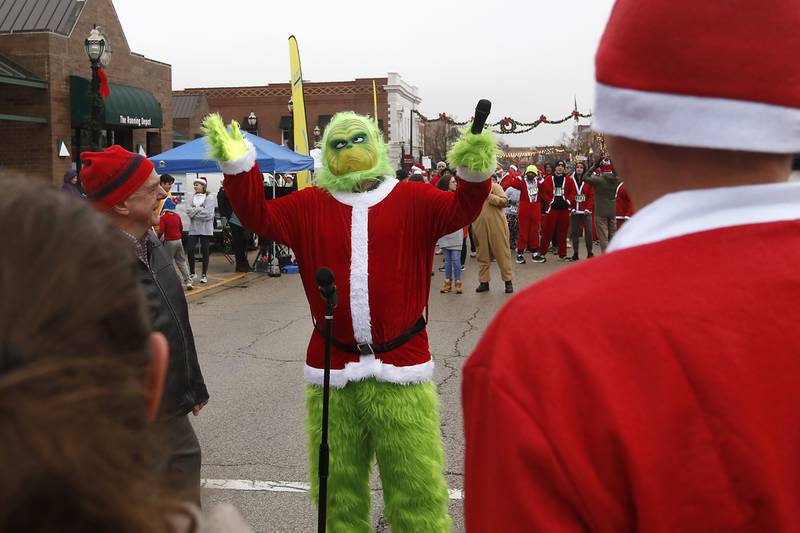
(411, 134)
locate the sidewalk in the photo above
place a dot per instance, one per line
(220, 273)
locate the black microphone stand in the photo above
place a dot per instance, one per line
(324, 452)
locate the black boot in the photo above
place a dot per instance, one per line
(509, 287)
(483, 287)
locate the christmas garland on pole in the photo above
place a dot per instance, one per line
(506, 125)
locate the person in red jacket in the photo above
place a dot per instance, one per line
(682, 415)
(170, 231)
(624, 205)
(530, 214)
(557, 193)
(581, 214)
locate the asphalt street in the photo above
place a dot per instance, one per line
(251, 334)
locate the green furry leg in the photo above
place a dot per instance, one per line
(399, 424)
(408, 444)
(350, 458)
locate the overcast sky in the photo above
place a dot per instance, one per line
(529, 57)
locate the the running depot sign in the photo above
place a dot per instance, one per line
(141, 122)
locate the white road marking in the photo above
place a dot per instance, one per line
(275, 486)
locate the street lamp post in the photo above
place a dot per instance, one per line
(252, 123)
(95, 45)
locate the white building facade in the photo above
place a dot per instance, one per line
(403, 129)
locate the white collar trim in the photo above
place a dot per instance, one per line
(368, 198)
(686, 212)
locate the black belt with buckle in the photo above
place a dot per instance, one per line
(376, 348)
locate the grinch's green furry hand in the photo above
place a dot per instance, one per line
(475, 152)
(225, 145)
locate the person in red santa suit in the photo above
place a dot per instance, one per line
(558, 196)
(383, 403)
(530, 213)
(513, 170)
(684, 415)
(624, 205)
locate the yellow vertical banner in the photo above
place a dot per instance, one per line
(375, 102)
(298, 111)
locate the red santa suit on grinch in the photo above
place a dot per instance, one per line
(558, 195)
(379, 245)
(624, 205)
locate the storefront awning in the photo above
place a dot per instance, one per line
(127, 106)
(13, 74)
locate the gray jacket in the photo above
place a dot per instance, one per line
(452, 241)
(201, 218)
(605, 194)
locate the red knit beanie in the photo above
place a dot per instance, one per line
(110, 177)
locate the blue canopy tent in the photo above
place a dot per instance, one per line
(193, 157)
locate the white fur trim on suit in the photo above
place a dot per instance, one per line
(370, 367)
(686, 212)
(243, 164)
(368, 198)
(701, 122)
(473, 176)
(359, 274)
(359, 253)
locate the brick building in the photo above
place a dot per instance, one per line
(44, 79)
(188, 111)
(269, 103)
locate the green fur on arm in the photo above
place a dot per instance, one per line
(224, 145)
(475, 152)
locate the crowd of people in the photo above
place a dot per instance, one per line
(545, 209)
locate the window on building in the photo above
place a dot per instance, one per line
(153, 143)
(286, 132)
(322, 122)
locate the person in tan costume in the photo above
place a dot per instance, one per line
(491, 233)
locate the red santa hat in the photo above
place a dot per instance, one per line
(110, 177)
(202, 181)
(705, 74)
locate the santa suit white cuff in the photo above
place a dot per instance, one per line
(241, 164)
(474, 176)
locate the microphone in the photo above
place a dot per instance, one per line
(482, 111)
(327, 289)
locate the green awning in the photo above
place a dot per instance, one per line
(127, 106)
(13, 74)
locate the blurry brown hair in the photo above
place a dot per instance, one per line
(75, 451)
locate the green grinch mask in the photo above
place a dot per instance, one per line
(354, 156)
